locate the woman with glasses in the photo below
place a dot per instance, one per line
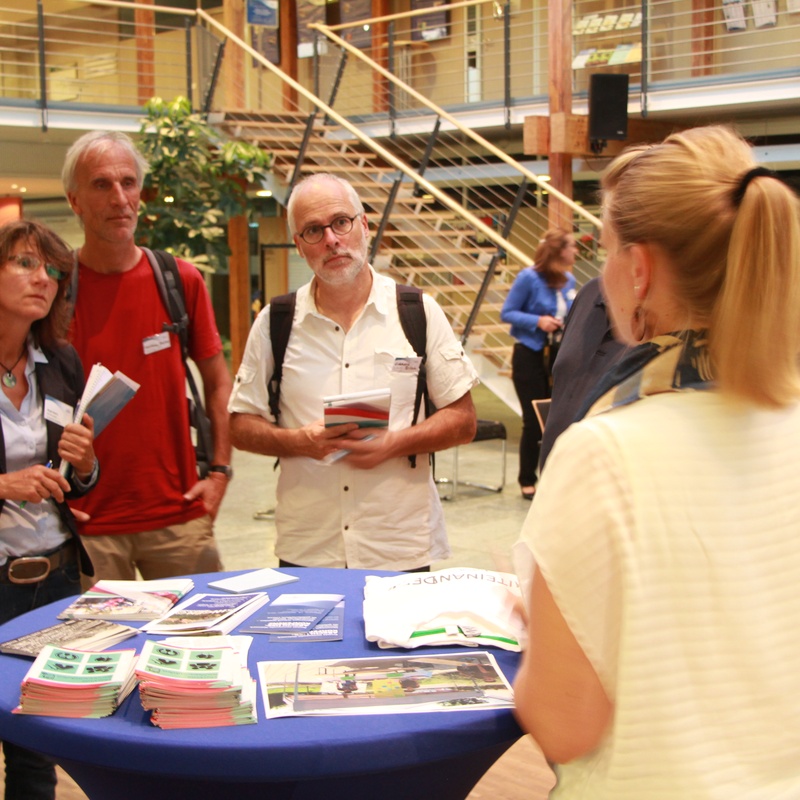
(41, 379)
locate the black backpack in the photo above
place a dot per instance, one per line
(412, 318)
(170, 288)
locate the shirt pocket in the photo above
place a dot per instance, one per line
(398, 372)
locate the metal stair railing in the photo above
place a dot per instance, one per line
(456, 158)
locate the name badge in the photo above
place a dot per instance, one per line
(152, 344)
(408, 365)
(57, 411)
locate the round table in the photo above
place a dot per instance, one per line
(391, 756)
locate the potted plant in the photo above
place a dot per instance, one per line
(197, 182)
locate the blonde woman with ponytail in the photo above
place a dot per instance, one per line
(662, 551)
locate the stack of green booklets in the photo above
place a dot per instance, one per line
(77, 683)
(197, 685)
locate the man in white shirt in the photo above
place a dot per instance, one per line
(370, 509)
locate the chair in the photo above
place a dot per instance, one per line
(487, 430)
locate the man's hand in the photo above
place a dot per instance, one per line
(316, 441)
(210, 490)
(369, 447)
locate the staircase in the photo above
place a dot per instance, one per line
(416, 241)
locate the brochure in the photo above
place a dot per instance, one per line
(368, 409)
(384, 685)
(128, 600)
(253, 581)
(84, 634)
(292, 613)
(104, 396)
(208, 614)
(329, 629)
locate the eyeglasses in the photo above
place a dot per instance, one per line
(313, 234)
(27, 265)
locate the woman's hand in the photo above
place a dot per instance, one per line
(76, 446)
(33, 484)
(548, 324)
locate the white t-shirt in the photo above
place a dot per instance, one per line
(332, 515)
(668, 532)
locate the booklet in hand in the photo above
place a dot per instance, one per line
(104, 396)
(368, 409)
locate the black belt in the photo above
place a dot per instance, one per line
(34, 569)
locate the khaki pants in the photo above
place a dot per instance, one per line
(185, 549)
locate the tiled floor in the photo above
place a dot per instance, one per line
(482, 528)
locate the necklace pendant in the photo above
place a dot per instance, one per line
(9, 380)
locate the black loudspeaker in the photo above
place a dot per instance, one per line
(608, 107)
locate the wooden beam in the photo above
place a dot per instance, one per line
(559, 21)
(144, 20)
(563, 133)
(239, 286)
(233, 16)
(287, 29)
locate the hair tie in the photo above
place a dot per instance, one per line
(756, 172)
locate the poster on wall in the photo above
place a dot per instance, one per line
(266, 42)
(351, 11)
(429, 27)
(262, 12)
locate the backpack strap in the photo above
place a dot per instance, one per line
(170, 288)
(412, 318)
(281, 318)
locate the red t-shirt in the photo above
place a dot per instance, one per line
(146, 455)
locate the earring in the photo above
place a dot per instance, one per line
(639, 324)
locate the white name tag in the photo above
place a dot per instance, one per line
(152, 344)
(57, 411)
(410, 364)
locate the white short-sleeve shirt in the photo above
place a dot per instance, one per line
(332, 515)
(667, 532)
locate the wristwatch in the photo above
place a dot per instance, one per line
(224, 469)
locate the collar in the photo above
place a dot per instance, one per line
(306, 304)
(35, 356)
(674, 362)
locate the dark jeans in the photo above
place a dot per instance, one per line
(30, 776)
(531, 382)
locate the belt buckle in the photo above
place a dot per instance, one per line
(29, 564)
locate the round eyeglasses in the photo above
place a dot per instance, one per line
(27, 265)
(313, 234)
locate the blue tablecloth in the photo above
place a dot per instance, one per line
(354, 756)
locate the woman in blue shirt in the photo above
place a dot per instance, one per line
(536, 307)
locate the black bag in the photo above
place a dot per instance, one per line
(551, 350)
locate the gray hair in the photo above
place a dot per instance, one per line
(352, 194)
(100, 141)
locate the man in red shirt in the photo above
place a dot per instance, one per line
(149, 510)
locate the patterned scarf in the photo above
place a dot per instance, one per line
(674, 362)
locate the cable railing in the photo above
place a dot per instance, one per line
(92, 55)
(424, 234)
(400, 115)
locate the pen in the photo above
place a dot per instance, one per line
(48, 465)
